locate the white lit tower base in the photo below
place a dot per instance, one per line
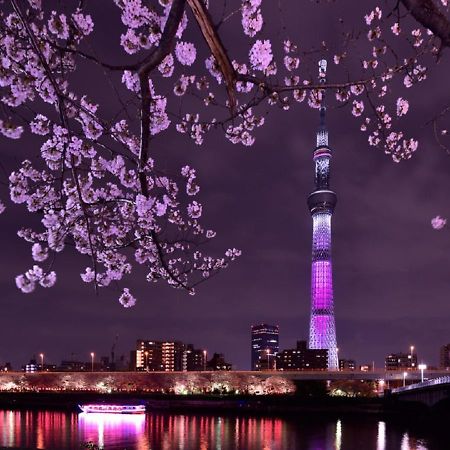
(321, 203)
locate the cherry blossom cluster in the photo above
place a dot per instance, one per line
(241, 133)
(378, 112)
(252, 20)
(89, 185)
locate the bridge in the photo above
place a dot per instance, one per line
(345, 375)
(430, 392)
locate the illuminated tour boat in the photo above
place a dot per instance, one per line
(113, 409)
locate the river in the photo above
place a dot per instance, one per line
(62, 430)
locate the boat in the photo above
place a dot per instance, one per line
(112, 409)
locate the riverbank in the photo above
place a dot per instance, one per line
(236, 404)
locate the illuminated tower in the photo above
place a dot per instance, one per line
(321, 203)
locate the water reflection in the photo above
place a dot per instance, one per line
(57, 430)
(112, 428)
(338, 440)
(381, 436)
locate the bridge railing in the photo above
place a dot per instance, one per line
(432, 382)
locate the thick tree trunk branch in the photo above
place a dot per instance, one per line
(154, 59)
(429, 15)
(216, 46)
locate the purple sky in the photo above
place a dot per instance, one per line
(391, 269)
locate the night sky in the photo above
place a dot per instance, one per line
(391, 269)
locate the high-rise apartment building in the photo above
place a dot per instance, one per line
(264, 346)
(194, 359)
(217, 362)
(165, 356)
(444, 356)
(398, 361)
(168, 356)
(302, 358)
(347, 364)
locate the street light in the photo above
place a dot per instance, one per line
(92, 361)
(404, 378)
(205, 354)
(422, 367)
(42, 361)
(412, 352)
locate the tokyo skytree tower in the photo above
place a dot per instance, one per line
(321, 203)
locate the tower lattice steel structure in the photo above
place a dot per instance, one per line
(321, 203)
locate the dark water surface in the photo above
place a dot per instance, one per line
(60, 430)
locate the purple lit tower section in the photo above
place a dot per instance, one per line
(321, 203)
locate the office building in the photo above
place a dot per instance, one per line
(265, 346)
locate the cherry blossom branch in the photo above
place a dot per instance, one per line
(65, 123)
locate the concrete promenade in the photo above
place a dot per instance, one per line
(377, 374)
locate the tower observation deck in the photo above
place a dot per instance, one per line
(321, 203)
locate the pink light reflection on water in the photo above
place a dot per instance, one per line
(159, 431)
(37, 429)
(109, 429)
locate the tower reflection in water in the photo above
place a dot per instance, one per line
(110, 429)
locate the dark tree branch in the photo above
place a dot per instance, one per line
(430, 16)
(217, 48)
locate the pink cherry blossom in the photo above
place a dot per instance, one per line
(396, 28)
(185, 53)
(83, 23)
(10, 130)
(252, 20)
(261, 55)
(213, 68)
(402, 106)
(58, 25)
(358, 108)
(438, 222)
(39, 253)
(126, 299)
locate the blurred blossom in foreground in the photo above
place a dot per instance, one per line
(438, 222)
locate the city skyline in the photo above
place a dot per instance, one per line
(130, 360)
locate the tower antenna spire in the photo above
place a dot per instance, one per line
(322, 80)
(322, 132)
